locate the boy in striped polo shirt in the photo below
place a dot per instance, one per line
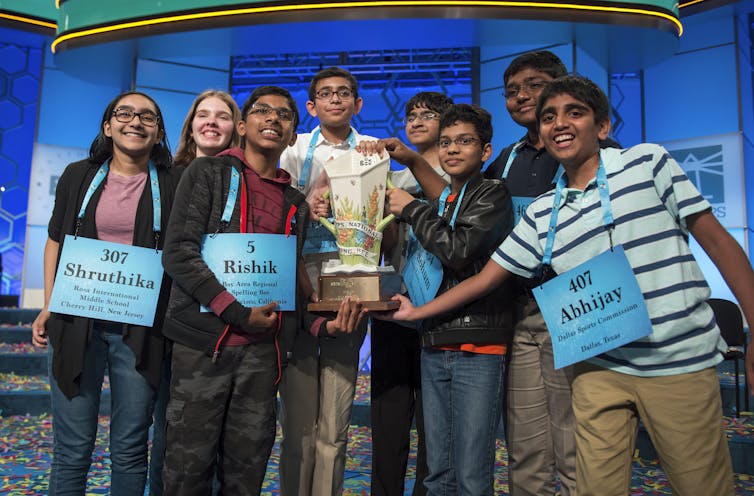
(668, 378)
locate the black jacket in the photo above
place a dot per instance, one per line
(484, 219)
(200, 201)
(70, 334)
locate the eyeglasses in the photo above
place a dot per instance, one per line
(126, 115)
(424, 116)
(283, 114)
(327, 94)
(531, 88)
(459, 141)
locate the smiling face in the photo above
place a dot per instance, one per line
(569, 130)
(460, 160)
(334, 112)
(420, 132)
(262, 129)
(527, 85)
(212, 126)
(132, 138)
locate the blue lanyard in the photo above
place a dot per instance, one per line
(511, 157)
(230, 204)
(155, 187)
(607, 212)
(444, 198)
(306, 170)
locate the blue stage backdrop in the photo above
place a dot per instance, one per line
(19, 94)
(387, 79)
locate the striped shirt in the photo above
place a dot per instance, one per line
(650, 197)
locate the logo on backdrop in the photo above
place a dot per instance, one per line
(704, 167)
(714, 164)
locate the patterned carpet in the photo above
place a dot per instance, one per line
(25, 444)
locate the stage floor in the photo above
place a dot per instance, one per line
(26, 443)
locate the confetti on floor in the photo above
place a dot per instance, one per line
(26, 443)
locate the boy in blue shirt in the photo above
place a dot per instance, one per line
(462, 356)
(668, 378)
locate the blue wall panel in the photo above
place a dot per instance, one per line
(71, 109)
(20, 68)
(693, 94)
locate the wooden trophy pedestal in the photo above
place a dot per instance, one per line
(373, 289)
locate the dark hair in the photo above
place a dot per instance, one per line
(329, 73)
(581, 89)
(101, 148)
(472, 114)
(186, 151)
(542, 61)
(261, 91)
(432, 100)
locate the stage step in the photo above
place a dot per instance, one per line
(15, 334)
(24, 363)
(18, 316)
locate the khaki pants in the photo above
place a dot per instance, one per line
(316, 402)
(539, 432)
(682, 413)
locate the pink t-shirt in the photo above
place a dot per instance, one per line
(116, 210)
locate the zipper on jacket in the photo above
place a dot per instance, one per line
(216, 352)
(277, 348)
(289, 220)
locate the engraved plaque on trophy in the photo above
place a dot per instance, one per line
(357, 200)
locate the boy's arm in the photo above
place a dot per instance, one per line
(490, 277)
(474, 234)
(733, 265)
(431, 182)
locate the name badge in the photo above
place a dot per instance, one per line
(107, 281)
(593, 308)
(255, 268)
(520, 204)
(422, 273)
(318, 240)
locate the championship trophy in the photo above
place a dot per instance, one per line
(357, 200)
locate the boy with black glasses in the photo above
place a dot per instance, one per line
(227, 361)
(462, 356)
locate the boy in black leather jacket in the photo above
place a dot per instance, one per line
(463, 351)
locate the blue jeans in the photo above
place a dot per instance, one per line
(75, 420)
(462, 394)
(159, 426)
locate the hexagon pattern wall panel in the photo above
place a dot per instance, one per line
(20, 68)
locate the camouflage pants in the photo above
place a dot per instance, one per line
(225, 408)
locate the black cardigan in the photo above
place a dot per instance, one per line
(69, 334)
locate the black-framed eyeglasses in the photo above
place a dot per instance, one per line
(126, 115)
(424, 116)
(327, 93)
(283, 114)
(459, 141)
(530, 87)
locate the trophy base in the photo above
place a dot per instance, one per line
(372, 306)
(373, 289)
